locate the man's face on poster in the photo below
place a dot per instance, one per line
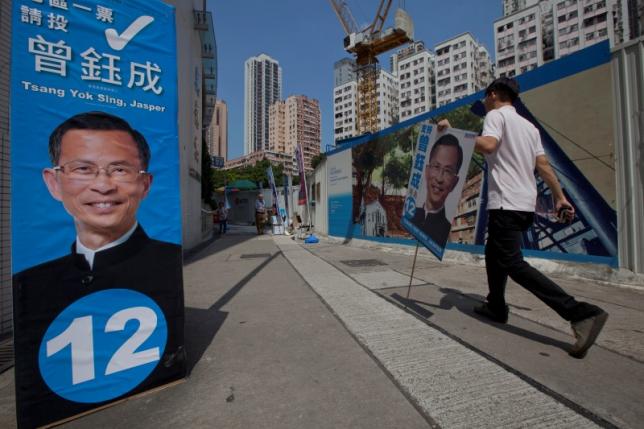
(104, 202)
(441, 175)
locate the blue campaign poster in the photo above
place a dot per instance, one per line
(74, 57)
(96, 213)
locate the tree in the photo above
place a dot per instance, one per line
(406, 137)
(463, 119)
(255, 173)
(366, 158)
(397, 171)
(317, 159)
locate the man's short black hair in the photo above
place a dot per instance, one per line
(451, 141)
(507, 89)
(96, 121)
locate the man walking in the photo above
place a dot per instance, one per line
(513, 150)
(260, 213)
(222, 215)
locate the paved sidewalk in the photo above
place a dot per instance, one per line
(265, 353)
(285, 335)
(534, 344)
(454, 385)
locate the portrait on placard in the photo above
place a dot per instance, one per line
(440, 163)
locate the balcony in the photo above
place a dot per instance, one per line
(201, 21)
(207, 51)
(209, 73)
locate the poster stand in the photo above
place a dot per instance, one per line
(411, 276)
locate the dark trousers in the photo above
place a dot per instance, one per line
(223, 225)
(503, 258)
(259, 222)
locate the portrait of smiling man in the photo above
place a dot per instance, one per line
(440, 178)
(100, 175)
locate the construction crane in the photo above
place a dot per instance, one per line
(366, 44)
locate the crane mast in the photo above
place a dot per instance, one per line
(366, 45)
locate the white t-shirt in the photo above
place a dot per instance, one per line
(512, 185)
(222, 213)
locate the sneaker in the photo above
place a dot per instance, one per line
(485, 311)
(586, 332)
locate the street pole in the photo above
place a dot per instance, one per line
(411, 276)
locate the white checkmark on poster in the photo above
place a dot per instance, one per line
(119, 41)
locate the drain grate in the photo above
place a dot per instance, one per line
(6, 355)
(255, 255)
(363, 262)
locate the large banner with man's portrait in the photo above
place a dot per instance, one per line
(370, 176)
(436, 181)
(96, 220)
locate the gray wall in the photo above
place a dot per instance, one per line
(195, 228)
(628, 86)
(5, 238)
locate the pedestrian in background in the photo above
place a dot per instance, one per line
(260, 213)
(222, 215)
(513, 150)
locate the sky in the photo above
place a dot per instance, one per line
(305, 37)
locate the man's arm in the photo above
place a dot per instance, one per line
(483, 144)
(548, 175)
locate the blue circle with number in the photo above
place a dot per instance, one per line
(103, 345)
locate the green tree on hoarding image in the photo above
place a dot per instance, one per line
(406, 138)
(366, 158)
(462, 118)
(397, 171)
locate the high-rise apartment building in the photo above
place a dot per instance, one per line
(209, 69)
(414, 68)
(303, 122)
(218, 144)
(262, 88)
(519, 42)
(295, 121)
(633, 17)
(513, 6)
(344, 110)
(344, 71)
(541, 31)
(579, 24)
(277, 127)
(484, 68)
(345, 99)
(388, 99)
(462, 67)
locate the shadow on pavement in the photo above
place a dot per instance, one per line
(202, 325)
(215, 245)
(454, 298)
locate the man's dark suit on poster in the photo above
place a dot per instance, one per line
(41, 293)
(435, 225)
